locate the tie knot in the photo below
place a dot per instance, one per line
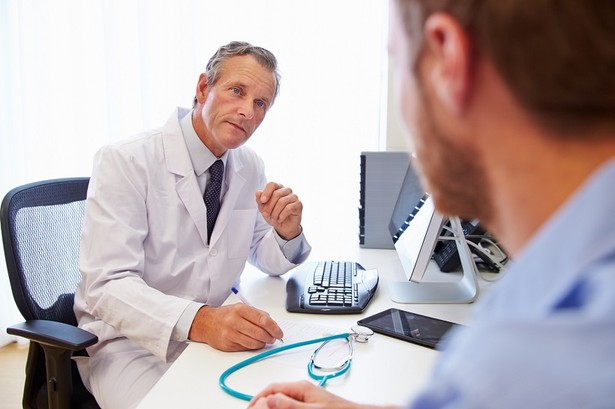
(216, 171)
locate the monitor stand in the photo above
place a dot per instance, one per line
(463, 291)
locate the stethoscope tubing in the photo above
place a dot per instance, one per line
(322, 379)
(263, 355)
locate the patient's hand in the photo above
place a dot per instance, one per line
(302, 395)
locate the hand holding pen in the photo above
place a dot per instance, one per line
(235, 327)
(246, 302)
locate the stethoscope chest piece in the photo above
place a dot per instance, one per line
(361, 334)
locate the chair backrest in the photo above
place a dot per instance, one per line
(41, 226)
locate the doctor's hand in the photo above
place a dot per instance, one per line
(236, 327)
(281, 208)
(303, 395)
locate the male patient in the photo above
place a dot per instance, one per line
(511, 104)
(172, 216)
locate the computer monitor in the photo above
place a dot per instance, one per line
(415, 236)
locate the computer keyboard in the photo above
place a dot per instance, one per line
(330, 287)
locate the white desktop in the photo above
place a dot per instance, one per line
(384, 370)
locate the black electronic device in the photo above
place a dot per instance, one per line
(445, 253)
(330, 287)
(416, 328)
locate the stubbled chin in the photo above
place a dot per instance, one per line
(236, 142)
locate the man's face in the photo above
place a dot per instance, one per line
(229, 112)
(449, 169)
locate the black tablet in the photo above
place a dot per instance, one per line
(409, 326)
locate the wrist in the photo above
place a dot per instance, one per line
(288, 236)
(197, 330)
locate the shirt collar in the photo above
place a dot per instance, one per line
(200, 156)
(577, 236)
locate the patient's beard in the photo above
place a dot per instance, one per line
(453, 173)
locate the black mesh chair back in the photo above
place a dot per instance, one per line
(44, 222)
(41, 228)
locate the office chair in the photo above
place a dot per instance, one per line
(41, 228)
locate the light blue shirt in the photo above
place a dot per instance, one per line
(544, 336)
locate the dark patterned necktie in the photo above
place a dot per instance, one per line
(212, 195)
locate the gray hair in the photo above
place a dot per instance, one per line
(265, 58)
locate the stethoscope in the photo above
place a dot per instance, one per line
(359, 334)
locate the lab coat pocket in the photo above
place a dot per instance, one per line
(240, 233)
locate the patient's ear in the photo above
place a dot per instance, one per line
(450, 71)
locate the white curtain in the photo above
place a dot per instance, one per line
(75, 75)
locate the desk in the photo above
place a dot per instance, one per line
(384, 371)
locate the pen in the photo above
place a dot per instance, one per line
(245, 301)
(241, 297)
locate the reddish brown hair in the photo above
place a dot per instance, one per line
(556, 56)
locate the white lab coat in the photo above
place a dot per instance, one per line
(144, 253)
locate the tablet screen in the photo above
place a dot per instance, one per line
(409, 326)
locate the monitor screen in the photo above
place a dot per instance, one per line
(418, 237)
(415, 226)
(409, 195)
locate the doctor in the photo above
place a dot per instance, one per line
(154, 275)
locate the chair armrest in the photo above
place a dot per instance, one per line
(53, 333)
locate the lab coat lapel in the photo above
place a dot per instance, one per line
(236, 184)
(178, 162)
(188, 191)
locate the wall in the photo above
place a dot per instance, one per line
(396, 134)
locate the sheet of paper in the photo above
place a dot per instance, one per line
(296, 331)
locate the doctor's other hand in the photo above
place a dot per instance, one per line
(281, 208)
(236, 327)
(303, 395)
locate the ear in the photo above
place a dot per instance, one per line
(449, 46)
(201, 89)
